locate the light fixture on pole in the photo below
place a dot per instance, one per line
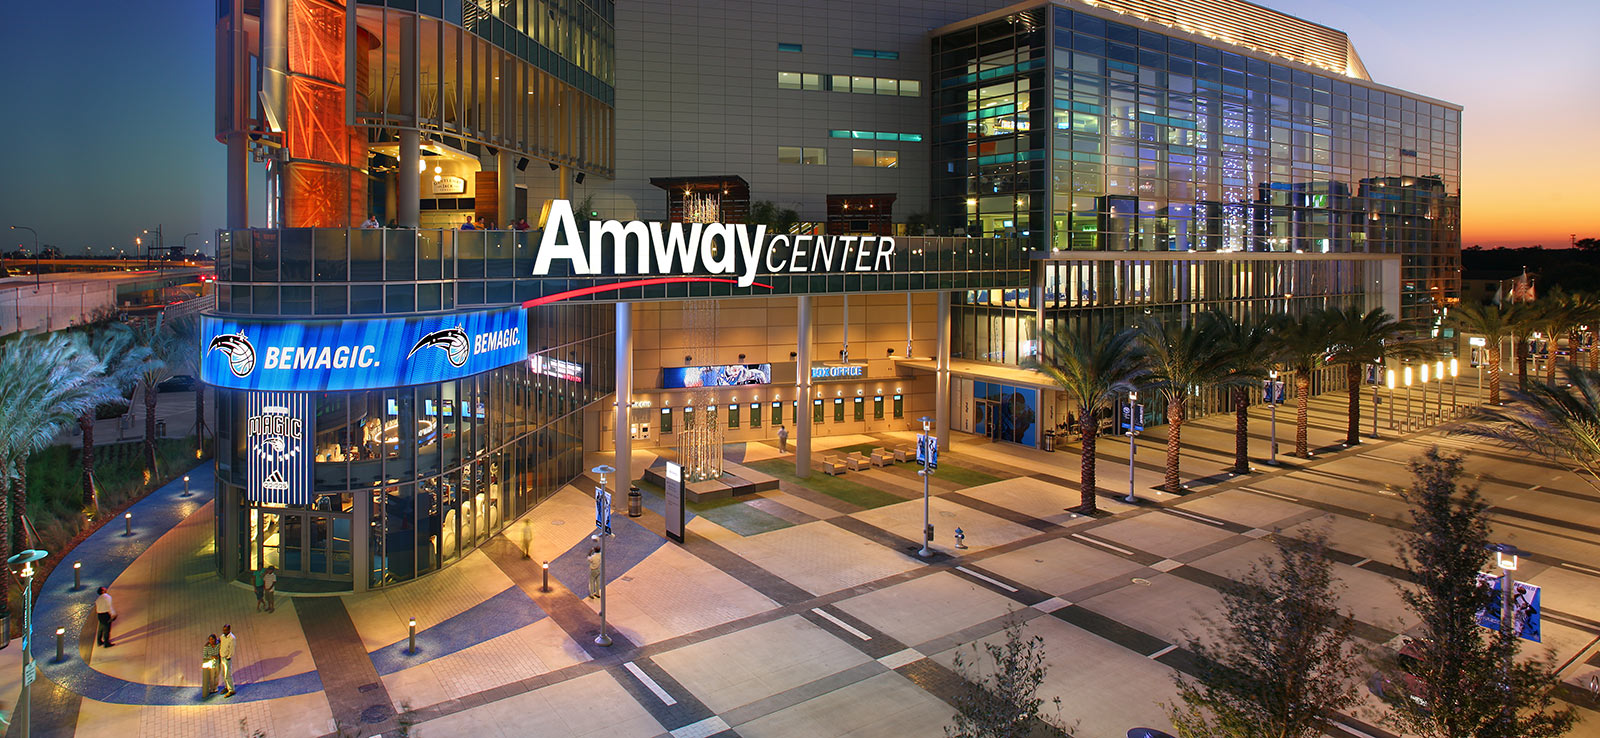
(22, 566)
(1273, 395)
(1422, 417)
(1438, 376)
(928, 454)
(1455, 372)
(1389, 381)
(1133, 438)
(1408, 397)
(602, 525)
(1376, 372)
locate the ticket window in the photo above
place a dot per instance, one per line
(877, 407)
(817, 411)
(711, 416)
(794, 412)
(777, 413)
(838, 409)
(755, 415)
(666, 420)
(899, 407)
(688, 418)
(733, 416)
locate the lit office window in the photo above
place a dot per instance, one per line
(883, 158)
(789, 80)
(790, 47)
(802, 155)
(874, 54)
(788, 154)
(875, 135)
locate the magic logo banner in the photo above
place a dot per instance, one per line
(359, 354)
(278, 466)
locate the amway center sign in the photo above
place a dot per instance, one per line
(732, 252)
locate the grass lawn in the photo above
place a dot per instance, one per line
(964, 476)
(854, 493)
(731, 513)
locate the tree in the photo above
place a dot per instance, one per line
(1177, 357)
(1495, 323)
(1282, 662)
(1466, 681)
(1005, 702)
(1301, 344)
(1560, 424)
(1554, 315)
(121, 362)
(779, 220)
(1092, 371)
(153, 336)
(1250, 359)
(1358, 340)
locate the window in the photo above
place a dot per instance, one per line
(755, 415)
(875, 135)
(860, 85)
(788, 80)
(874, 54)
(790, 47)
(838, 409)
(666, 420)
(877, 407)
(817, 411)
(733, 415)
(861, 409)
(777, 413)
(688, 417)
(802, 155)
(899, 406)
(884, 158)
(811, 82)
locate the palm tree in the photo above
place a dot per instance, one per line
(1092, 371)
(1495, 322)
(153, 336)
(1249, 348)
(1179, 356)
(1301, 344)
(1561, 424)
(1356, 340)
(1554, 316)
(121, 362)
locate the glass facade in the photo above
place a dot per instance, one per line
(446, 465)
(1081, 133)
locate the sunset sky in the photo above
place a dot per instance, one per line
(108, 127)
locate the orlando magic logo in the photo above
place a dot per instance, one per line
(241, 355)
(453, 341)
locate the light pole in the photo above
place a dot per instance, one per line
(24, 700)
(1505, 556)
(1409, 426)
(1438, 375)
(1272, 399)
(35, 253)
(1375, 400)
(928, 446)
(1133, 445)
(1455, 374)
(602, 530)
(1389, 381)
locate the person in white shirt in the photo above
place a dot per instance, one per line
(226, 653)
(105, 612)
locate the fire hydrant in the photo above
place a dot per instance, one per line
(961, 539)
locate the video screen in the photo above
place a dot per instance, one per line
(732, 375)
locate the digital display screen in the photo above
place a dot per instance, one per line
(731, 375)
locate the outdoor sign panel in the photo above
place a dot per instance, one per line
(928, 451)
(359, 354)
(1133, 418)
(1272, 392)
(675, 501)
(732, 375)
(1525, 609)
(602, 510)
(278, 468)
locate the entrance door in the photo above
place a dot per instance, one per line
(986, 418)
(309, 544)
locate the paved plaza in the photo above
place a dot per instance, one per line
(799, 612)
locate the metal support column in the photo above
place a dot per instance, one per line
(408, 194)
(624, 435)
(506, 183)
(802, 389)
(941, 378)
(361, 514)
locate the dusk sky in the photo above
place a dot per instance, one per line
(108, 122)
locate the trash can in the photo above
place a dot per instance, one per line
(1049, 440)
(635, 502)
(161, 429)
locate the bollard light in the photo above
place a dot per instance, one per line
(545, 572)
(77, 575)
(186, 485)
(413, 637)
(127, 524)
(61, 654)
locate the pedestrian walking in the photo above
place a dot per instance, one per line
(261, 589)
(225, 652)
(105, 612)
(269, 581)
(209, 658)
(594, 573)
(783, 439)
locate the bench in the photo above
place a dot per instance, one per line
(832, 465)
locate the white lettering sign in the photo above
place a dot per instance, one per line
(640, 248)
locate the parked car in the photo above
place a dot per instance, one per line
(177, 383)
(1405, 683)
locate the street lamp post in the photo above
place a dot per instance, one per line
(1272, 397)
(35, 253)
(1375, 406)
(1455, 374)
(602, 530)
(1438, 390)
(1133, 444)
(1409, 426)
(25, 561)
(928, 444)
(1389, 382)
